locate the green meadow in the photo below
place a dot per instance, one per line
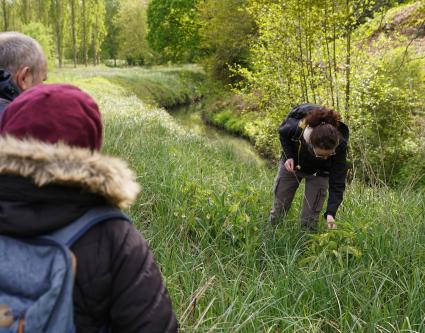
(203, 209)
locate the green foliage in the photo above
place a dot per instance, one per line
(214, 213)
(173, 30)
(344, 244)
(97, 12)
(74, 25)
(386, 95)
(43, 35)
(305, 53)
(131, 21)
(230, 122)
(58, 14)
(413, 170)
(226, 29)
(111, 43)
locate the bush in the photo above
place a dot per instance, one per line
(386, 95)
(413, 171)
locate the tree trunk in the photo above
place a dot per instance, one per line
(85, 49)
(334, 57)
(39, 11)
(95, 51)
(310, 70)
(94, 46)
(58, 29)
(25, 11)
(5, 15)
(73, 27)
(328, 54)
(348, 75)
(303, 84)
(348, 63)
(58, 44)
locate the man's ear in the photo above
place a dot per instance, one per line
(23, 78)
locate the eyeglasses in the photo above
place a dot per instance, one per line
(332, 153)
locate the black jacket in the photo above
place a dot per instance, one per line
(294, 146)
(8, 90)
(118, 281)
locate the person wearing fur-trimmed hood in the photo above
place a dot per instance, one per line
(51, 173)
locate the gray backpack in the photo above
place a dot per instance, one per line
(37, 277)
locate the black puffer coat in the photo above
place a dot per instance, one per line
(44, 187)
(294, 146)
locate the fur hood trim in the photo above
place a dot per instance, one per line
(60, 164)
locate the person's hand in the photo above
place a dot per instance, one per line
(330, 222)
(289, 165)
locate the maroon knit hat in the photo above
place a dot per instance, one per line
(52, 113)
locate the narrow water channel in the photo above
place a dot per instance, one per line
(190, 117)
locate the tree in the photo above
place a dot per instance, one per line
(226, 29)
(5, 10)
(173, 30)
(86, 20)
(84, 30)
(43, 35)
(73, 6)
(131, 22)
(58, 10)
(41, 11)
(25, 11)
(97, 27)
(111, 43)
(11, 14)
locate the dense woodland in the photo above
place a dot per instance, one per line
(364, 58)
(81, 32)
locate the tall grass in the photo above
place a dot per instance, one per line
(159, 85)
(204, 212)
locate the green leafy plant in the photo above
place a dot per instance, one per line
(341, 245)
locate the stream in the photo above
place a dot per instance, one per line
(190, 118)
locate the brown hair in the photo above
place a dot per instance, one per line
(324, 124)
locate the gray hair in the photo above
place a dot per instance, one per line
(18, 50)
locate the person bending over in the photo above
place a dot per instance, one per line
(314, 143)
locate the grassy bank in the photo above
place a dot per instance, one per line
(239, 116)
(160, 86)
(203, 211)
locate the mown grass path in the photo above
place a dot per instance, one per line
(204, 209)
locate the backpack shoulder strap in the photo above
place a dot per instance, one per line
(301, 110)
(72, 232)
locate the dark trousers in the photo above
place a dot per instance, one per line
(286, 184)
